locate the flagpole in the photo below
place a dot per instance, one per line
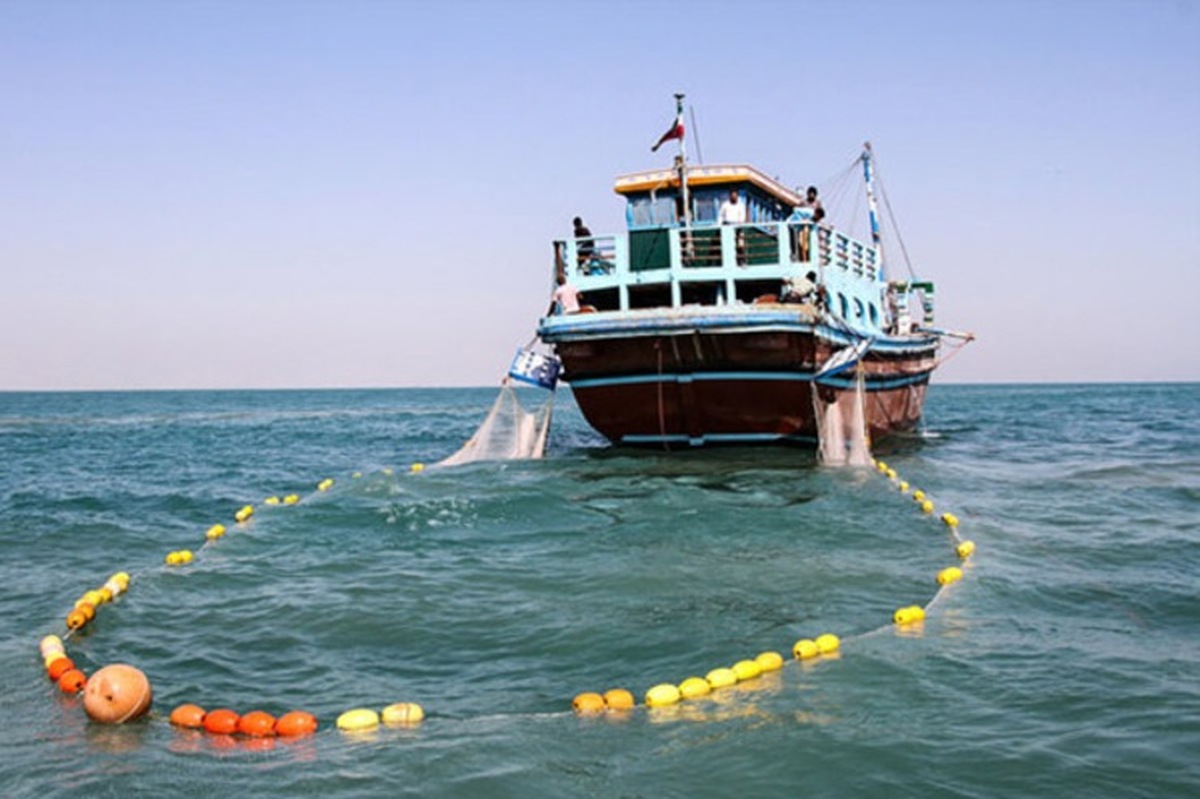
(683, 183)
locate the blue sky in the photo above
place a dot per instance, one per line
(311, 194)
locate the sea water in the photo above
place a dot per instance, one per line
(1065, 663)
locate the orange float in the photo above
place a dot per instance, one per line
(58, 667)
(295, 723)
(116, 694)
(190, 716)
(619, 699)
(588, 703)
(76, 619)
(72, 681)
(222, 721)
(257, 724)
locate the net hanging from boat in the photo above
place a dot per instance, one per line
(842, 426)
(511, 430)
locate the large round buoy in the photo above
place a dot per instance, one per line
(770, 661)
(116, 694)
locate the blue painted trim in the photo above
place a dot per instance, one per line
(629, 380)
(875, 384)
(714, 438)
(618, 324)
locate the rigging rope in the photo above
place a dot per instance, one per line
(895, 227)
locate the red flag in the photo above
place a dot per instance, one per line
(675, 132)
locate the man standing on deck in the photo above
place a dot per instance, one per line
(810, 211)
(734, 213)
(585, 246)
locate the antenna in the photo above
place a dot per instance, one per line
(696, 133)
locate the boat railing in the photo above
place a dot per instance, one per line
(592, 255)
(717, 263)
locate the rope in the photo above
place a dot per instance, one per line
(952, 353)
(895, 228)
(662, 415)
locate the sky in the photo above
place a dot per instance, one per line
(364, 194)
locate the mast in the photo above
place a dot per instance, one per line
(683, 184)
(872, 208)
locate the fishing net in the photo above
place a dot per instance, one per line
(511, 430)
(842, 426)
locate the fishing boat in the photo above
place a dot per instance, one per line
(686, 334)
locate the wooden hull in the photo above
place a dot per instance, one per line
(723, 387)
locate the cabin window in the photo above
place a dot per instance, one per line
(843, 305)
(858, 308)
(750, 290)
(652, 211)
(874, 312)
(603, 299)
(655, 295)
(708, 205)
(702, 293)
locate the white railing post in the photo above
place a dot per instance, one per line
(675, 263)
(621, 270)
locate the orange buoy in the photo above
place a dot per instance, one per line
(190, 716)
(618, 699)
(588, 703)
(221, 721)
(76, 619)
(295, 723)
(257, 724)
(117, 694)
(59, 667)
(88, 609)
(72, 681)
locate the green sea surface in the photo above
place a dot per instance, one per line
(1065, 663)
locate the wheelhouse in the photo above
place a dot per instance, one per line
(674, 256)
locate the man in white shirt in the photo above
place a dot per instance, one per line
(734, 213)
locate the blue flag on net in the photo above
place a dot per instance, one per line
(535, 369)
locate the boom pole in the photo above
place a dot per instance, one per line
(872, 208)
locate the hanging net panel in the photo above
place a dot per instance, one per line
(513, 429)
